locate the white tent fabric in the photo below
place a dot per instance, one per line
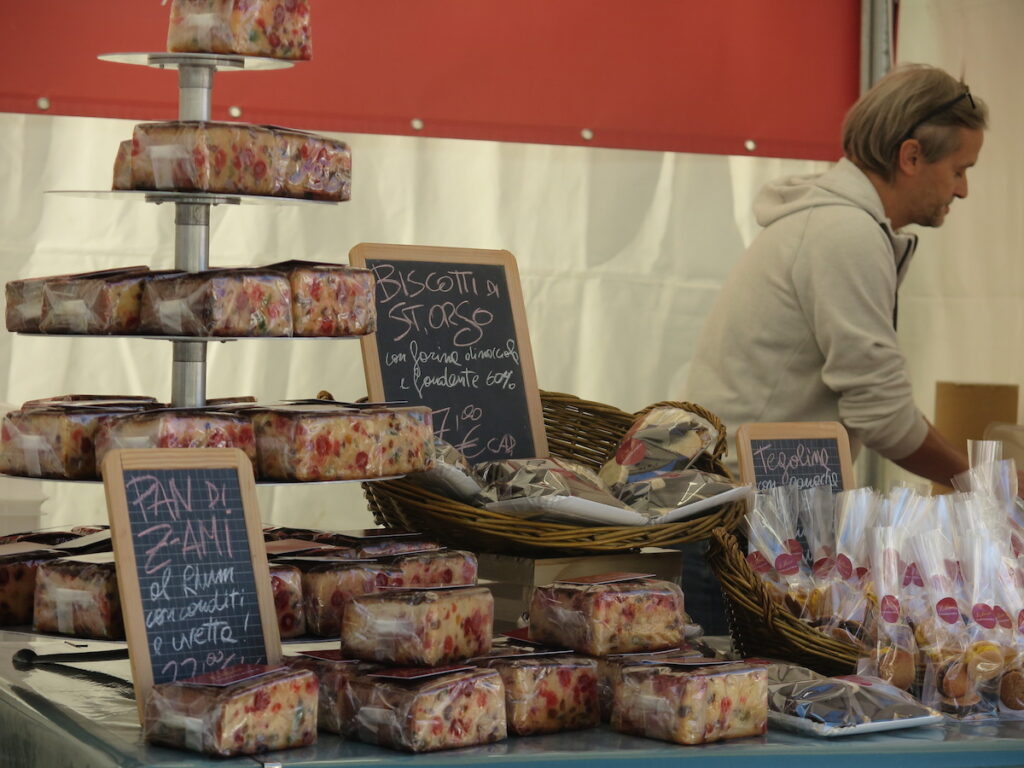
(621, 254)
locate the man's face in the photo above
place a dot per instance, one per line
(938, 183)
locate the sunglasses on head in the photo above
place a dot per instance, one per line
(944, 106)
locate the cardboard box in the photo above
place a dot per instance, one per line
(512, 579)
(963, 411)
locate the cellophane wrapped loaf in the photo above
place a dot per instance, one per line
(24, 308)
(692, 706)
(18, 565)
(547, 694)
(286, 583)
(332, 442)
(78, 596)
(603, 618)
(238, 159)
(219, 302)
(57, 440)
(419, 627)
(330, 299)
(336, 710)
(270, 28)
(458, 709)
(99, 304)
(328, 584)
(270, 711)
(609, 672)
(176, 428)
(439, 568)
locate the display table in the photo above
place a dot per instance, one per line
(84, 715)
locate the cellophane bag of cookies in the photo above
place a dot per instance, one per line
(941, 633)
(843, 601)
(816, 519)
(774, 551)
(665, 439)
(990, 626)
(894, 658)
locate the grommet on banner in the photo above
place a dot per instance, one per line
(587, 134)
(750, 145)
(43, 103)
(235, 111)
(416, 123)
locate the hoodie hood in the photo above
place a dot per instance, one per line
(843, 184)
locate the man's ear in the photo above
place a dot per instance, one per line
(910, 158)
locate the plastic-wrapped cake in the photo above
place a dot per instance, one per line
(692, 706)
(219, 302)
(272, 28)
(330, 299)
(547, 694)
(328, 584)
(609, 671)
(18, 564)
(426, 713)
(310, 442)
(337, 708)
(599, 616)
(419, 627)
(78, 596)
(238, 711)
(57, 440)
(176, 428)
(439, 568)
(236, 159)
(97, 304)
(286, 583)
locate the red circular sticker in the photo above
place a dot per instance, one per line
(1002, 617)
(984, 615)
(759, 562)
(861, 571)
(823, 567)
(889, 607)
(794, 547)
(788, 564)
(844, 566)
(630, 453)
(947, 610)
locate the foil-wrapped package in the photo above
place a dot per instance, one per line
(665, 439)
(663, 493)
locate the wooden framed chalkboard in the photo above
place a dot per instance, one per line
(805, 454)
(451, 335)
(191, 563)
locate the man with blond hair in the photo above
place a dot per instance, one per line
(804, 328)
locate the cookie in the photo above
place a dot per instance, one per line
(897, 666)
(1011, 689)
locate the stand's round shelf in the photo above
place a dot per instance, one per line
(227, 62)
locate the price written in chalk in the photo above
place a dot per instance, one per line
(195, 572)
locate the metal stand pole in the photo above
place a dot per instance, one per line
(191, 243)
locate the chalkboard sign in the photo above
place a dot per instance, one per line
(804, 454)
(191, 564)
(451, 335)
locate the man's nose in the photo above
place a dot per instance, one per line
(961, 188)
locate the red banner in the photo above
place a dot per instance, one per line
(762, 77)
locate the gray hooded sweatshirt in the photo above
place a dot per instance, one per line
(804, 327)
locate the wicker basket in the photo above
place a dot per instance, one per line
(761, 627)
(578, 430)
